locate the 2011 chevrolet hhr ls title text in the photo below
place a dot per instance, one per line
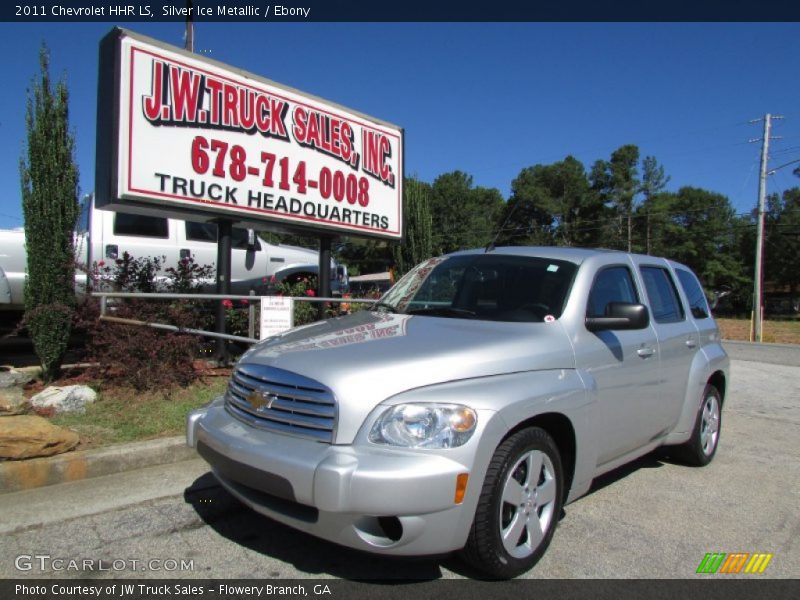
(481, 393)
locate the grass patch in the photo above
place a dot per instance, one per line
(774, 332)
(125, 415)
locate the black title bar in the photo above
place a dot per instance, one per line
(405, 10)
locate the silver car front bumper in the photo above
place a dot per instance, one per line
(384, 500)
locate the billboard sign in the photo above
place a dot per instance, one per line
(180, 134)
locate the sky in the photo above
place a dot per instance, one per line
(488, 99)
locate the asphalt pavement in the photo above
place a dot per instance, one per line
(776, 354)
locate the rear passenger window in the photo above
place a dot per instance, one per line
(613, 284)
(201, 232)
(663, 296)
(140, 225)
(697, 299)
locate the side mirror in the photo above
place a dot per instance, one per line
(620, 315)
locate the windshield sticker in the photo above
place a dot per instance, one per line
(552, 268)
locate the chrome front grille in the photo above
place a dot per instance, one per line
(281, 401)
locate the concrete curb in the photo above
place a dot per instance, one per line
(18, 475)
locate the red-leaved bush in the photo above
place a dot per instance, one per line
(139, 356)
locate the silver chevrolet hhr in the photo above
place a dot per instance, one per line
(484, 391)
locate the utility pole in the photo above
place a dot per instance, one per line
(756, 333)
(189, 27)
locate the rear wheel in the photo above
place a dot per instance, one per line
(702, 446)
(519, 505)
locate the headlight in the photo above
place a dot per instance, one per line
(425, 426)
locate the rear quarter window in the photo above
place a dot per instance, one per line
(698, 304)
(665, 304)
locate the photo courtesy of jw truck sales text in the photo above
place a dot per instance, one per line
(180, 134)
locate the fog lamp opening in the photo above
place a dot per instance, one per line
(391, 527)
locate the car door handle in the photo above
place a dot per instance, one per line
(690, 343)
(646, 352)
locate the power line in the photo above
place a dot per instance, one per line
(561, 156)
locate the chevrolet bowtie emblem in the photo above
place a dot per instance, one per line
(261, 400)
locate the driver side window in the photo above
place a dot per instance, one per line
(612, 284)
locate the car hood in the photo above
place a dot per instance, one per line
(369, 357)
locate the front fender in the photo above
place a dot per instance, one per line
(503, 402)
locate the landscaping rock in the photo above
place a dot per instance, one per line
(30, 436)
(12, 402)
(71, 398)
(10, 377)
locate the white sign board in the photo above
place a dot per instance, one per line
(277, 315)
(183, 132)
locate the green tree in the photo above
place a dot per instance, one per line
(49, 181)
(554, 204)
(365, 255)
(463, 216)
(526, 220)
(654, 180)
(740, 298)
(782, 241)
(616, 183)
(417, 242)
(699, 228)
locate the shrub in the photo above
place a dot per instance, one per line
(237, 317)
(142, 357)
(188, 276)
(49, 182)
(49, 326)
(304, 312)
(131, 274)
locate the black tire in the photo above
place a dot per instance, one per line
(702, 446)
(537, 512)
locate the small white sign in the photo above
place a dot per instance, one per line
(277, 315)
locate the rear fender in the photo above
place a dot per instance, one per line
(709, 360)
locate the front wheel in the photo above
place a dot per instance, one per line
(519, 505)
(702, 446)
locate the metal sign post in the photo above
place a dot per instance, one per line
(224, 230)
(324, 283)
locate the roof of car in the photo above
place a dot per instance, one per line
(575, 255)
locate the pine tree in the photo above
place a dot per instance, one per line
(417, 242)
(49, 178)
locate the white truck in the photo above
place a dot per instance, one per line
(104, 235)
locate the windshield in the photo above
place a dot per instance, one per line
(483, 286)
